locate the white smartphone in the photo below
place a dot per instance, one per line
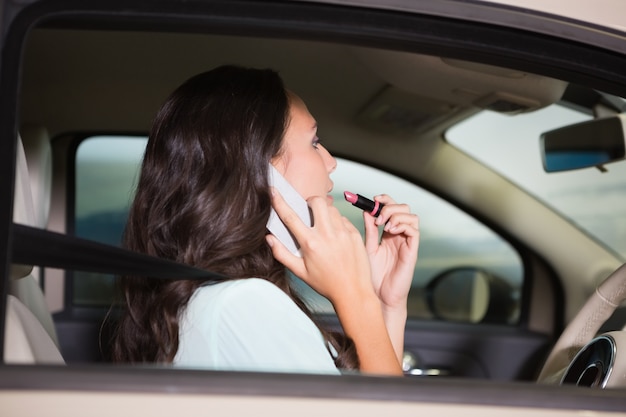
(296, 202)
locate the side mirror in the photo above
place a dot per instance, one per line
(587, 144)
(472, 295)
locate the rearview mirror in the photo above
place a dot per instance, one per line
(587, 144)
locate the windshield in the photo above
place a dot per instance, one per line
(593, 200)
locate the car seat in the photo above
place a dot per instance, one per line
(30, 335)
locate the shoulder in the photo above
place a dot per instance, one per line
(243, 302)
(251, 324)
(249, 290)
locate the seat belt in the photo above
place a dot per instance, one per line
(34, 246)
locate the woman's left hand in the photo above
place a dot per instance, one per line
(393, 256)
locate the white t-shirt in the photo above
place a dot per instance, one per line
(250, 325)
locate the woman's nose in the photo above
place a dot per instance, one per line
(329, 161)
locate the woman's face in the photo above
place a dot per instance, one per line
(304, 162)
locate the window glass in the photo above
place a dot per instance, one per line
(105, 178)
(450, 240)
(510, 145)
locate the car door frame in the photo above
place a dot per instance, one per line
(19, 18)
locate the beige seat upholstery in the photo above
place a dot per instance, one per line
(30, 336)
(26, 340)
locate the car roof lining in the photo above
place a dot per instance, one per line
(353, 77)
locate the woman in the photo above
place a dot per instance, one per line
(203, 198)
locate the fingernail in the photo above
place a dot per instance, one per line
(269, 240)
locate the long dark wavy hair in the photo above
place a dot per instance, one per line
(203, 199)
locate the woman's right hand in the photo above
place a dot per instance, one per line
(333, 255)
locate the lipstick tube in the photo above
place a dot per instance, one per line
(364, 203)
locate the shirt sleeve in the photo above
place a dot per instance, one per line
(254, 326)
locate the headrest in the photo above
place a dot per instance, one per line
(33, 181)
(23, 207)
(38, 151)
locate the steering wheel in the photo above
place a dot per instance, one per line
(583, 328)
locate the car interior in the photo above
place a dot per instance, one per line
(387, 106)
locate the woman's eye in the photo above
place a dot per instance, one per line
(316, 142)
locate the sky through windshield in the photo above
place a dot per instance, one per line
(593, 200)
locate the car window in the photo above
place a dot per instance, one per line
(510, 145)
(106, 169)
(463, 267)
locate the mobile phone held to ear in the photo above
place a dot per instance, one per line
(297, 204)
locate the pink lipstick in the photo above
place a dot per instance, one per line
(364, 203)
